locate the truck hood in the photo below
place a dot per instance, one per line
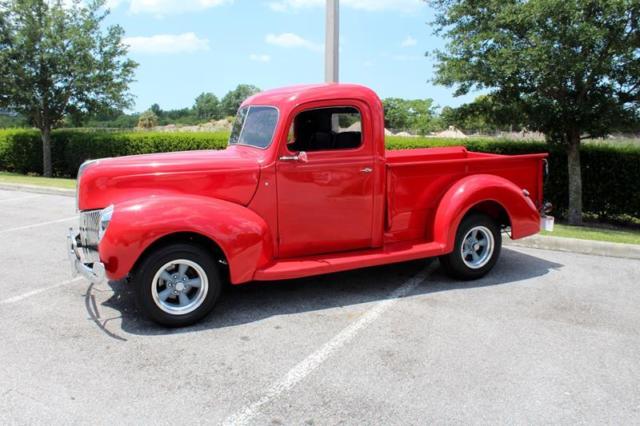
(231, 174)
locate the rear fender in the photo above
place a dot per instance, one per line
(241, 234)
(475, 189)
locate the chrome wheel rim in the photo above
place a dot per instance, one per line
(477, 247)
(179, 287)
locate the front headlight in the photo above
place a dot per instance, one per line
(105, 219)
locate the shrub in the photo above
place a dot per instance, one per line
(610, 173)
(147, 120)
(21, 150)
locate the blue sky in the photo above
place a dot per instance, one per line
(185, 47)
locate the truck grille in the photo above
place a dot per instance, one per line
(89, 225)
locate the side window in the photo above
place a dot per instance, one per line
(326, 129)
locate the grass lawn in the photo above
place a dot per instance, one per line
(37, 180)
(615, 235)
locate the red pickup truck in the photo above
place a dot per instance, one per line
(305, 187)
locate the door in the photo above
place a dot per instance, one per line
(325, 183)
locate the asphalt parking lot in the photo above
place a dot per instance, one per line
(547, 337)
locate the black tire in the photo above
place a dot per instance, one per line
(144, 281)
(460, 267)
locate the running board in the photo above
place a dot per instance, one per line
(336, 262)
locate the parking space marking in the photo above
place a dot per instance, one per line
(313, 361)
(35, 225)
(20, 297)
(28, 197)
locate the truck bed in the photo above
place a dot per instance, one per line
(417, 179)
(403, 156)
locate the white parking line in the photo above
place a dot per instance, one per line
(313, 361)
(20, 297)
(35, 225)
(28, 197)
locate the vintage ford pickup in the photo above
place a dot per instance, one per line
(305, 187)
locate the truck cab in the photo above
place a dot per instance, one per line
(305, 187)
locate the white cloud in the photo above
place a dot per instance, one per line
(408, 42)
(290, 40)
(167, 43)
(168, 7)
(370, 5)
(259, 57)
(279, 6)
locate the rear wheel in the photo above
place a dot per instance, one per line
(476, 249)
(177, 285)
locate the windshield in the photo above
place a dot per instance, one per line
(254, 126)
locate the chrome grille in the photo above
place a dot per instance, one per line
(89, 226)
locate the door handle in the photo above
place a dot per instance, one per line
(366, 170)
(301, 157)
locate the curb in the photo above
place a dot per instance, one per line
(573, 245)
(38, 189)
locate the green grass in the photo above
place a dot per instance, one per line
(614, 235)
(37, 180)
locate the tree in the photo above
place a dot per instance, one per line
(147, 120)
(232, 100)
(417, 115)
(57, 62)
(485, 115)
(155, 108)
(571, 66)
(207, 106)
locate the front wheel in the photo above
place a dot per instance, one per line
(476, 249)
(177, 285)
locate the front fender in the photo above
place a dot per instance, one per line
(243, 236)
(475, 189)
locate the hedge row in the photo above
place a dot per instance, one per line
(21, 150)
(611, 174)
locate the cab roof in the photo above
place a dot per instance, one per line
(296, 95)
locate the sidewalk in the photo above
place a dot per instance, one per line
(574, 245)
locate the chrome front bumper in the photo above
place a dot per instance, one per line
(94, 271)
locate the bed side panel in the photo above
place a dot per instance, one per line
(415, 189)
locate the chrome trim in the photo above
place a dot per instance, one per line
(93, 271)
(104, 220)
(90, 228)
(300, 156)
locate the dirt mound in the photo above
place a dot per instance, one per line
(451, 132)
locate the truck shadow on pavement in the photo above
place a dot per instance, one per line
(256, 301)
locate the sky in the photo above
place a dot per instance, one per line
(186, 47)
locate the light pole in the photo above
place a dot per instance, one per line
(331, 46)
